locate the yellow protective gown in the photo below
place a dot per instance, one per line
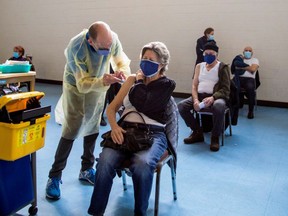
(83, 89)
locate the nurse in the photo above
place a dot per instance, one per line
(85, 82)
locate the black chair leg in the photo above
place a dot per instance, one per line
(157, 190)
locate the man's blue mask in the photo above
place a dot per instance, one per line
(247, 54)
(149, 68)
(15, 54)
(209, 58)
(103, 52)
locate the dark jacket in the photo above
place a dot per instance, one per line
(222, 87)
(237, 64)
(200, 48)
(238, 61)
(153, 98)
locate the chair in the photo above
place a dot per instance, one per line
(257, 84)
(169, 156)
(166, 158)
(243, 91)
(207, 111)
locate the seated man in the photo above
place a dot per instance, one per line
(247, 79)
(211, 85)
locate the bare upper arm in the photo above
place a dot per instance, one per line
(118, 100)
(195, 81)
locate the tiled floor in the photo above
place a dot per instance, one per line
(247, 177)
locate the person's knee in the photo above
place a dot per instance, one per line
(180, 107)
(183, 108)
(106, 159)
(219, 104)
(142, 170)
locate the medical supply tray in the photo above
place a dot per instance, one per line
(22, 124)
(15, 68)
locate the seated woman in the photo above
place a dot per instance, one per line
(147, 92)
(18, 55)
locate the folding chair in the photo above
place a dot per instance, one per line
(166, 158)
(207, 111)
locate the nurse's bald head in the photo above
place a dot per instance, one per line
(101, 34)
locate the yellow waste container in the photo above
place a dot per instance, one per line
(22, 124)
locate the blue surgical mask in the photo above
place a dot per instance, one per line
(149, 68)
(247, 54)
(103, 52)
(209, 59)
(15, 54)
(210, 37)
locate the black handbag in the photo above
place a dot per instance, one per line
(135, 139)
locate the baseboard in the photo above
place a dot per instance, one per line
(55, 82)
(272, 104)
(186, 95)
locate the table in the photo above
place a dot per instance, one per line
(19, 77)
(30, 77)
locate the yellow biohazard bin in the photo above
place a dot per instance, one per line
(22, 124)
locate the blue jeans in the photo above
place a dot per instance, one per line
(142, 168)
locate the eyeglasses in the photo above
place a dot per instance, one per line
(209, 53)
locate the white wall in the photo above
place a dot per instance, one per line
(45, 27)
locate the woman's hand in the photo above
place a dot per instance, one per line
(139, 75)
(117, 135)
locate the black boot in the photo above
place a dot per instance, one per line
(196, 136)
(214, 146)
(250, 115)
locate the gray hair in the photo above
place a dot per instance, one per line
(162, 52)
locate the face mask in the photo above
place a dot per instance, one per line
(15, 54)
(149, 68)
(211, 37)
(247, 54)
(103, 52)
(209, 58)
